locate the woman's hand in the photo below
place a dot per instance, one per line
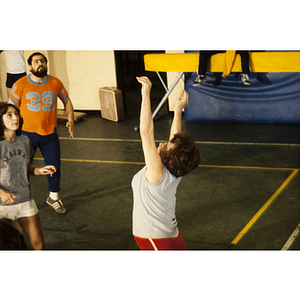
(47, 170)
(7, 198)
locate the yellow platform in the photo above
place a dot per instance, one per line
(188, 62)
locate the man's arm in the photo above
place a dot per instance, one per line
(10, 99)
(70, 114)
(181, 102)
(154, 171)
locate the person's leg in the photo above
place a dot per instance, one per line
(218, 79)
(34, 140)
(29, 219)
(33, 230)
(8, 91)
(262, 77)
(245, 61)
(201, 72)
(50, 149)
(245, 66)
(204, 56)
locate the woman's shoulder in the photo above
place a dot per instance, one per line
(23, 139)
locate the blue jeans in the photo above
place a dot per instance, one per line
(50, 149)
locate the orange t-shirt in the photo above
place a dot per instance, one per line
(38, 103)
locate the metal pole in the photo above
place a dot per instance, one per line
(161, 80)
(163, 100)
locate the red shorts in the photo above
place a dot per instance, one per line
(176, 243)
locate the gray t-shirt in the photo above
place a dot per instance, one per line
(13, 168)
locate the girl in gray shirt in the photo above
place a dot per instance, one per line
(15, 198)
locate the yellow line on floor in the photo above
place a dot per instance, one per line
(264, 207)
(161, 141)
(201, 166)
(99, 161)
(248, 167)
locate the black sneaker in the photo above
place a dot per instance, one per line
(217, 81)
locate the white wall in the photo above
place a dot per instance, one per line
(81, 72)
(3, 95)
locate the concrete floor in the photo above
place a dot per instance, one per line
(243, 165)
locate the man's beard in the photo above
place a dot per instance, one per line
(40, 72)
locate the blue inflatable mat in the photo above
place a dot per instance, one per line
(232, 101)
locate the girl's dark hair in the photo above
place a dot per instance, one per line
(3, 111)
(10, 237)
(183, 157)
(29, 60)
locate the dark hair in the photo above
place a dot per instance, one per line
(3, 110)
(183, 157)
(10, 237)
(29, 60)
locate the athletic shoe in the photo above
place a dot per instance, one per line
(199, 80)
(245, 79)
(57, 205)
(217, 81)
(262, 77)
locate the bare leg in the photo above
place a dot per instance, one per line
(8, 91)
(33, 229)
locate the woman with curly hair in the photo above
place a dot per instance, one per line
(15, 197)
(154, 187)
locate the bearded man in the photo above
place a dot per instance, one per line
(36, 96)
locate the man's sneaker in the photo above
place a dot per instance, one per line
(245, 79)
(57, 205)
(262, 77)
(199, 80)
(218, 81)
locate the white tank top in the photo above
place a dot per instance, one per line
(15, 61)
